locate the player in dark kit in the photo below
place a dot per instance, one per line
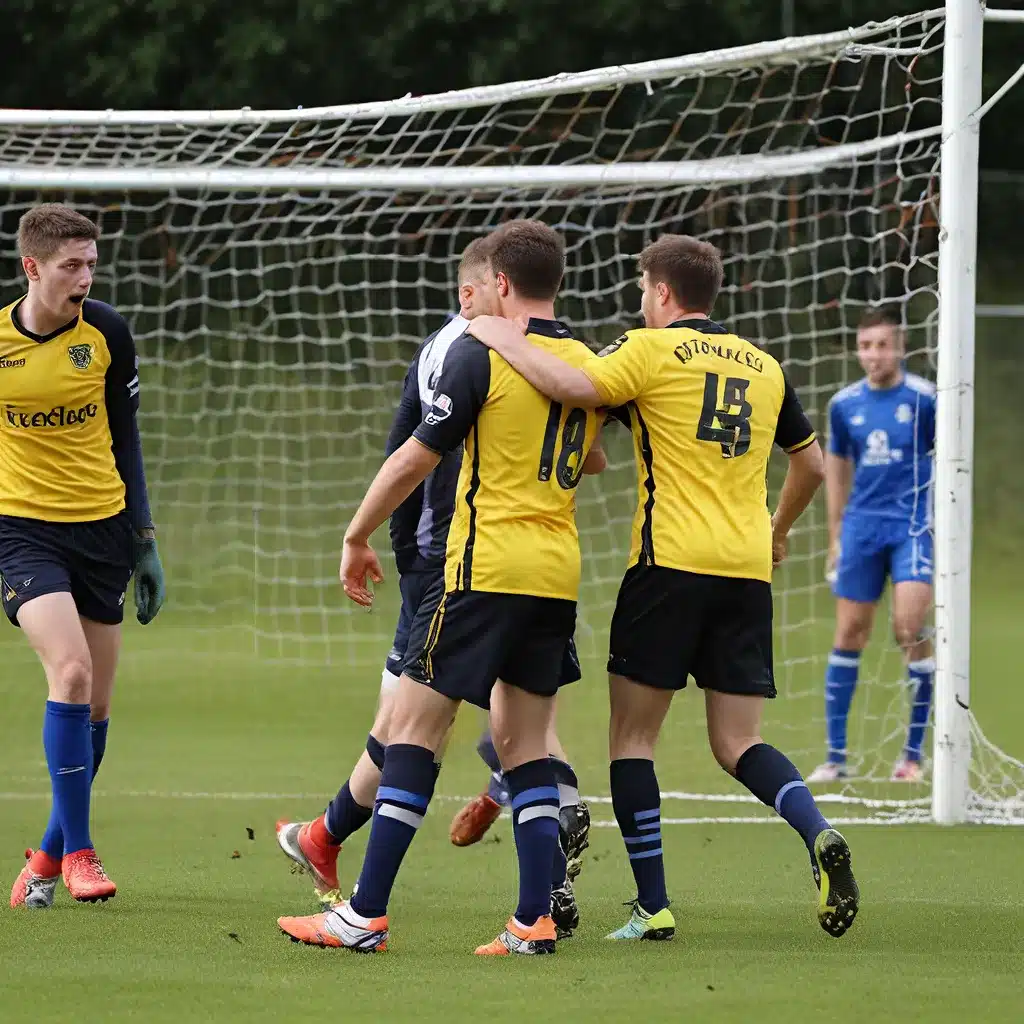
(419, 533)
(74, 522)
(495, 630)
(705, 408)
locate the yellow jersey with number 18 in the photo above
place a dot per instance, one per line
(705, 408)
(514, 526)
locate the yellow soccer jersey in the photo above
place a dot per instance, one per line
(514, 526)
(67, 404)
(705, 408)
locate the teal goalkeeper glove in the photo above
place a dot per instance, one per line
(149, 580)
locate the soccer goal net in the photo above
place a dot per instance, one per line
(280, 267)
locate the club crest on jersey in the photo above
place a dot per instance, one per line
(904, 414)
(439, 411)
(80, 356)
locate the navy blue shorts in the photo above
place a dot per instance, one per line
(90, 561)
(462, 641)
(414, 587)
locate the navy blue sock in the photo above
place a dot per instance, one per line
(840, 682)
(497, 788)
(68, 746)
(774, 780)
(534, 794)
(922, 674)
(406, 786)
(53, 838)
(344, 816)
(636, 801)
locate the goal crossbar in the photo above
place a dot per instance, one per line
(782, 51)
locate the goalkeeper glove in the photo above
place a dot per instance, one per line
(149, 580)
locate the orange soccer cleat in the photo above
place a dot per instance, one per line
(340, 928)
(307, 844)
(85, 878)
(517, 938)
(37, 881)
(470, 825)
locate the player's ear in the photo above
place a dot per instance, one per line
(31, 267)
(503, 285)
(664, 294)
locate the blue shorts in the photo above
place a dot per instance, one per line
(90, 561)
(872, 549)
(424, 590)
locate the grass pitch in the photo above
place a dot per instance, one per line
(206, 745)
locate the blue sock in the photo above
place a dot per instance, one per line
(534, 794)
(840, 682)
(774, 780)
(53, 838)
(636, 801)
(406, 786)
(68, 746)
(497, 788)
(922, 674)
(344, 816)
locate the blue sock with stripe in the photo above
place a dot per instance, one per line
(53, 838)
(636, 801)
(840, 682)
(497, 787)
(68, 746)
(534, 795)
(922, 675)
(775, 781)
(406, 786)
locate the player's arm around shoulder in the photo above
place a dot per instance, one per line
(122, 392)
(795, 436)
(549, 374)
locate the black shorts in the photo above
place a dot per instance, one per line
(461, 642)
(670, 624)
(414, 587)
(90, 561)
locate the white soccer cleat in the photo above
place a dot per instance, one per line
(907, 771)
(827, 772)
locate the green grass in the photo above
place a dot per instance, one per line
(201, 740)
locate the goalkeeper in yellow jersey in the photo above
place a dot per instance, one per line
(75, 522)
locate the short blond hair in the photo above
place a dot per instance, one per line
(474, 257)
(45, 228)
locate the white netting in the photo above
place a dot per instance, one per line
(279, 269)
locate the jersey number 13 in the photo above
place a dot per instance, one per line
(728, 423)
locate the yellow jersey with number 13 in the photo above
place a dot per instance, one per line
(705, 408)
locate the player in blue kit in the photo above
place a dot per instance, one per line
(879, 490)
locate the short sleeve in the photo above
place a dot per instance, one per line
(459, 396)
(620, 372)
(839, 442)
(793, 431)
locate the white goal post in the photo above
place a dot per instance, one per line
(279, 266)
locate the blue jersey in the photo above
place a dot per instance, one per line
(890, 437)
(419, 526)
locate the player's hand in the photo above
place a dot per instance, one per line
(780, 548)
(831, 561)
(149, 591)
(359, 561)
(496, 332)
